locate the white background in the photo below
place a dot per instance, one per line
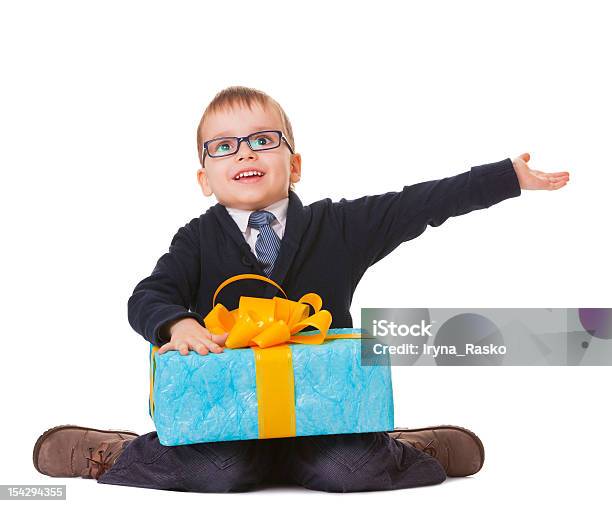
(99, 108)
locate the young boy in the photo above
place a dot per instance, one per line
(248, 161)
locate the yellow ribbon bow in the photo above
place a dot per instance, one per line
(263, 323)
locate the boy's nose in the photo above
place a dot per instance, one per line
(244, 150)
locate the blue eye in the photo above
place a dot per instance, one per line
(262, 140)
(223, 147)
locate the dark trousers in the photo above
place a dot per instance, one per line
(332, 463)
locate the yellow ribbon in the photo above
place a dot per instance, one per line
(267, 325)
(259, 322)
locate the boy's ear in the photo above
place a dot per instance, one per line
(296, 167)
(203, 182)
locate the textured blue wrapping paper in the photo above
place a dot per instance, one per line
(213, 397)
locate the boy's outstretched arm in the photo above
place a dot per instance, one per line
(167, 294)
(374, 225)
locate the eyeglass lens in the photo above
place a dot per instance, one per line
(229, 145)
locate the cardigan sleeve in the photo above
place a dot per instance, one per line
(171, 289)
(374, 225)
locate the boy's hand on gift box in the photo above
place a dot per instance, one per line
(530, 179)
(187, 334)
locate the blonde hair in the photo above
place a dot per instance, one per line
(247, 97)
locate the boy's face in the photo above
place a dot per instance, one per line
(278, 165)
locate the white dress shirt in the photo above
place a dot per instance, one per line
(241, 217)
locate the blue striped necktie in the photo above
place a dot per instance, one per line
(268, 243)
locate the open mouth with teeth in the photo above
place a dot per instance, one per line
(249, 176)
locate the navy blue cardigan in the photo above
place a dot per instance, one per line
(326, 248)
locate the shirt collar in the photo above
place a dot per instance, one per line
(278, 209)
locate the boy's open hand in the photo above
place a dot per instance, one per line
(187, 334)
(536, 180)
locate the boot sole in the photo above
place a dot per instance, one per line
(43, 436)
(456, 427)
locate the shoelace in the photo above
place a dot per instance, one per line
(418, 445)
(106, 458)
(424, 448)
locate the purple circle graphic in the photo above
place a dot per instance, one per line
(597, 321)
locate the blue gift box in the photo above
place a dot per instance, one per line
(202, 398)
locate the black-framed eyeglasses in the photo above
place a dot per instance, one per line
(257, 141)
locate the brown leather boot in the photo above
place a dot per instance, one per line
(69, 451)
(459, 450)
